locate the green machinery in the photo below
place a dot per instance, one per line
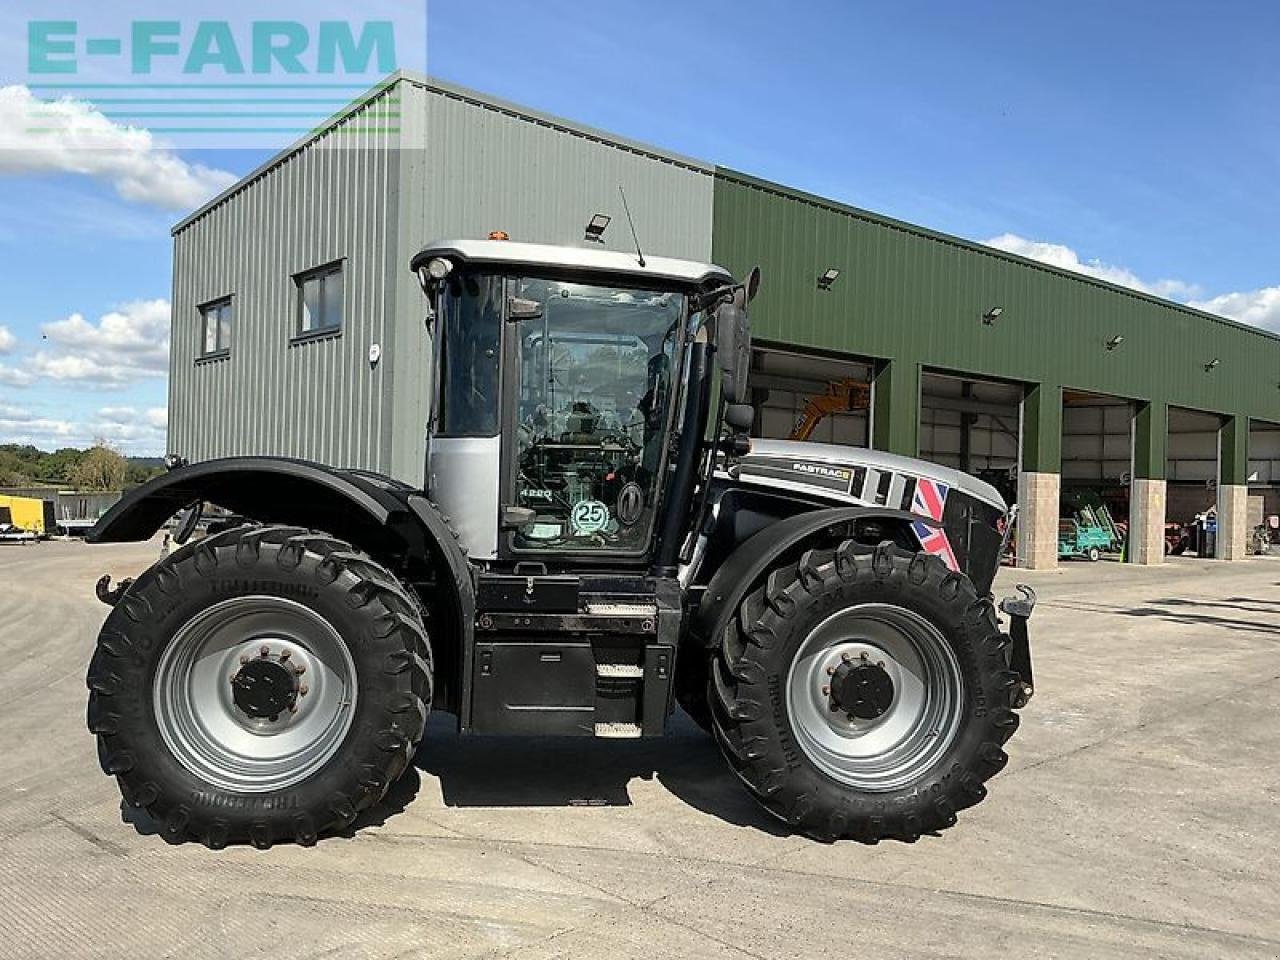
(1089, 534)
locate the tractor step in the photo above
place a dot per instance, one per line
(608, 618)
(603, 666)
(623, 670)
(632, 611)
(619, 731)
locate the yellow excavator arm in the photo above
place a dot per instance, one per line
(842, 396)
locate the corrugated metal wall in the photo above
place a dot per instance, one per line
(908, 294)
(319, 399)
(492, 166)
(463, 165)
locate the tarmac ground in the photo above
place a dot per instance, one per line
(1137, 818)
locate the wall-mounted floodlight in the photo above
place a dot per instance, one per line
(1115, 342)
(596, 227)
(828, 278)
(1211, 365)
(992, 315)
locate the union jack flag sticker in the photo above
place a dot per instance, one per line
(934, 540)
(930, 498)
(929, 501)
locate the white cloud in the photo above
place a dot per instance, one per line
(118, 414)
(7, 340)
(15, 376)
(71, 136)
(19, 425)
(134, 433)
(1062, 256)
(1258, 308)
(128, 344)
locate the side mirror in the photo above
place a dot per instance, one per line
(740, 416)
(733, 339)
(733, 349)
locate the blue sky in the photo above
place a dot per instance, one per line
(1138, 142)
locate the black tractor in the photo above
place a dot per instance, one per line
(598, 540)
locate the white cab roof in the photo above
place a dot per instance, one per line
(512, 253)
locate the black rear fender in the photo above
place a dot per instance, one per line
(389, 520)
(357, 507)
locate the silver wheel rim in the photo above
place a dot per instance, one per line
(922, 718)
(214, 738)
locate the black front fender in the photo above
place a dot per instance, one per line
(745, 567)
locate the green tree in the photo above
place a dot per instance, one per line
(57, 467)
(13, 472)
(101, 468)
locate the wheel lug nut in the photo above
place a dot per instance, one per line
(847, 656)
(300, 669)
(265, 651)
(285, 655)
(274, 717)
(863, 656)
(831, 671)
(826, 691)
(880, 664)
(302, 690)
(835, 708)
(244, 660)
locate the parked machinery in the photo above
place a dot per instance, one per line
(582, 557)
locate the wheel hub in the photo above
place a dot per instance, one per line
(264, 688)
(861, 689)
(874, 696)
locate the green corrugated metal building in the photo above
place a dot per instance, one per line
(977, 358)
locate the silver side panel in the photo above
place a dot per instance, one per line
(837, 498)
(463, 482)
(877, 461)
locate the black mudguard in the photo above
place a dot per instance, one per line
(271, 489)
(395, 523)
(743, 568)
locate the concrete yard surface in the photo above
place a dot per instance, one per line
(1137, 818)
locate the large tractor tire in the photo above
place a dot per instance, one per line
(865, 694)
(263, 684)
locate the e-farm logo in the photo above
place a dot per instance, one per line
(276, 47)
(232, 77)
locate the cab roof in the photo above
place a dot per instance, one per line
(534, 255)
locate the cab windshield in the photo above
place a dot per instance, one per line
(595, 368)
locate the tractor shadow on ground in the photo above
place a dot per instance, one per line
(555, 772)
(1179, 611)
(572, 771)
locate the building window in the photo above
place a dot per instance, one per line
(215, 322)
(320, 300)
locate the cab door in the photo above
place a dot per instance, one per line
(588, 402)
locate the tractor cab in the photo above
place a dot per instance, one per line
(563, 380)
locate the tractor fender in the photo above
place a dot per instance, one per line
(387, 519)
(348, 504)
(747, 564)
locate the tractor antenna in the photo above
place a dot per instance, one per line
(632, 224)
